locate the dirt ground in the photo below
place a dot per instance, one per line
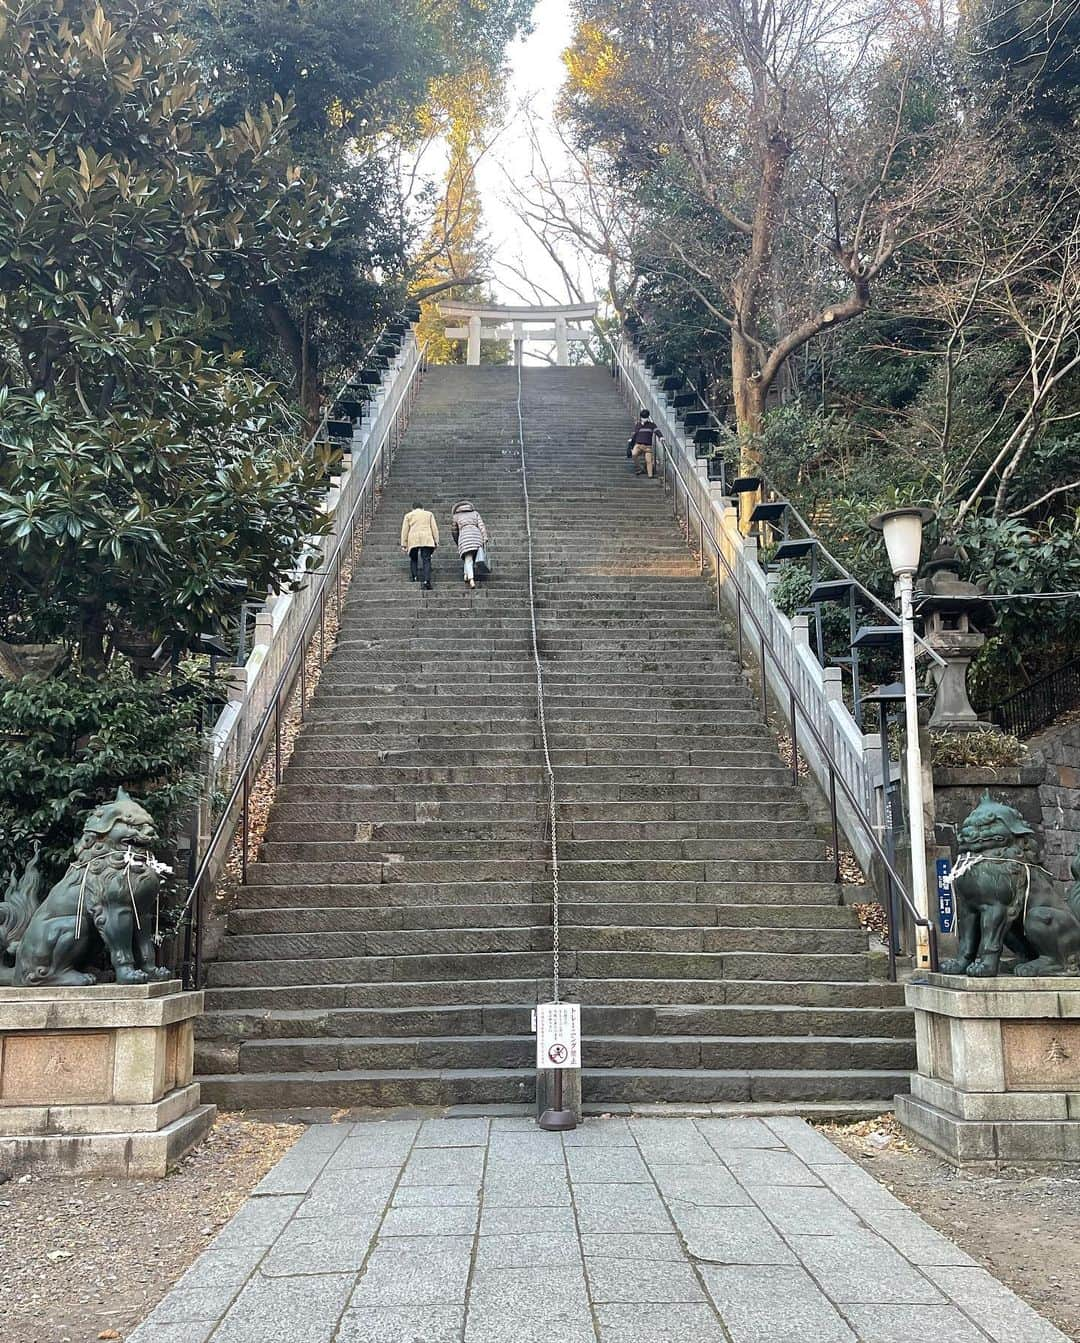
(1023, 1225)
(82, 1260)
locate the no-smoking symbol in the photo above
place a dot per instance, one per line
(557, 1053)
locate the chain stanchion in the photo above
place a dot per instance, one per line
(558, 1024)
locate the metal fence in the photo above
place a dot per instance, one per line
(291, 643)
(1037, 705)
(822, 731)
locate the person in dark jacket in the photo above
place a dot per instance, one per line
(468, 530)
(643, 443)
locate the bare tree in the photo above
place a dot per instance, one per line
(781, 155)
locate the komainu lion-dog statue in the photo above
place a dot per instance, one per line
(107, 898)
(1005, 898)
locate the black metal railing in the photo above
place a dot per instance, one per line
(1037, 705)
(308, 653)
(802, 529)
(800, 718)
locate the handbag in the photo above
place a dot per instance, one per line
(483, 563)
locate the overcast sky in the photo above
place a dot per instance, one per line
(536, 73)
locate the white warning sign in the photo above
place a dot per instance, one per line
(558, 1035)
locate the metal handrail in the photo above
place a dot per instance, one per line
(295, 666)
(1038, 703)
(795, 705)
(809, 532)
(358, 367)
(797, 709)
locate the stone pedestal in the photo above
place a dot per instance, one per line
(999, 1070)
(97, 1081)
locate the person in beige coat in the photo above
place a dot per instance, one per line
(419, 538)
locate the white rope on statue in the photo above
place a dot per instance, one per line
(549, 770)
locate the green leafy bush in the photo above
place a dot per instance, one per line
(67, 743)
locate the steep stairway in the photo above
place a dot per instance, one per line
(395, 932)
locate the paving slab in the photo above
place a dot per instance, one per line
(705, 1186)
(480, 1229)
(774, 1305)
(725, 1134)
(901, 1324)
(270, 1309)
(418, 1324)
(607, 1165)
(635, 1280)
(454, 1133)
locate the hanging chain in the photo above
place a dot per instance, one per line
(549, 771)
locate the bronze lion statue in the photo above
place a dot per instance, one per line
(1005, 898)
(107, 899)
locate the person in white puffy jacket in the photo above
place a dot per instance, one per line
(468, 530)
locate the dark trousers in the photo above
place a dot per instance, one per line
(420, 562)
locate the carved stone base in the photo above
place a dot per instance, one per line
(999, 1070)
(97, 1080)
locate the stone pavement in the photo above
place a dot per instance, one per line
(681, 1230)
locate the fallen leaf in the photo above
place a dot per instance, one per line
(108, 1333)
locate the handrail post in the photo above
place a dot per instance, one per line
(277, 739)
(833, 811)
(245, 825)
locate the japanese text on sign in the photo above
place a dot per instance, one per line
(946, 898)
(558, 1035)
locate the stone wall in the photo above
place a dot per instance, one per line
(1057, 754)
(957, 792)
(1045, 790)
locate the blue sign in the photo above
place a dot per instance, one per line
(945, 897)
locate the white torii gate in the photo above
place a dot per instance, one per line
(485, 321)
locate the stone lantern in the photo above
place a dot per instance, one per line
(955, 614)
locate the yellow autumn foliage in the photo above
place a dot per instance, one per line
(594, 64)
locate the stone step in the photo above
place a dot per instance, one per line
(429, 1052)
(316, 755)
(338, 918)
(413, 871)
(501, 811)
(781, 894)
(402, 775)
(508, 1086)
(439, 941)
(571, 851)
(236, 1026)
(464, 966)
(333, 711)
(571, 792)
(526, 828)
(609, 991)
(511, 736)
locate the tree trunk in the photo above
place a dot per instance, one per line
(92, 640)
(749, 397)
(310, 398)
(302, 352)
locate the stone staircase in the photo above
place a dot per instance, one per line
(395, 932)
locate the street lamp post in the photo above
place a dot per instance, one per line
(902, 529)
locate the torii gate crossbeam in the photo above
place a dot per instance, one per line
(555, 317)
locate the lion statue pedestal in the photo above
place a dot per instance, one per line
(998, 1029)
(95, 1078)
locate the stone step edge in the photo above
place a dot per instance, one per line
(295, 1041)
